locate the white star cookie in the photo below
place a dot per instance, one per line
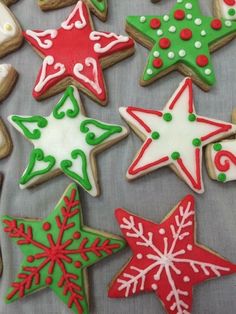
(66, 141)
(174, 137)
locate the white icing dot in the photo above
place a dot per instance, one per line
(179, 1)
(171, 55)
(159, 32)
(198, 21)
(172, 29)
(162, 231)
(208, 71)
(188, 6)
(156, 54)
(198, 44)
(203, 33)
(189, 16)
(142, 19)
(182, 53)
(149, 71)
(154, 286)
(228, 23)
(166, 18)
(186, 279)
(139, 256)
(189, 247)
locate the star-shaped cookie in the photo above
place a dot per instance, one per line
(5, 141)
(57, 252)
(181, 40)
(166, 260)
(77, 54)
(174, 137)
(66, 141)
(98, 7)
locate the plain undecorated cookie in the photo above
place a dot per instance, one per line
(5, 141)
(8, 77)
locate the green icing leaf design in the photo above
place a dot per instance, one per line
(91, 138)
(58, 111)
(101, 5)
(37, 155)
(67, 164)
(40, 122)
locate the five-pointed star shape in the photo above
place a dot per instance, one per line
(166, 259)
(182, 40)
(98, 7)
(66, 141)
(76, 54)
(174, 136)
(57, 252)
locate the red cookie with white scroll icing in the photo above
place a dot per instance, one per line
(166, 258)
(76, 54)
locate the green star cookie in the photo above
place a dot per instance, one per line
(181, 40)
(66, 141)
(57, 251)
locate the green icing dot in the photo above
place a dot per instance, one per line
(197, 142)
(167, 117)
(231, 12)
(155, 135)
(175, 155)
(222, 177)
(217, 147)
(192, 117)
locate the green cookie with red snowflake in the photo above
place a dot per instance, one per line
(66, 142)
(98, 7)
(181, 40)
(57, 252)
(166, 260)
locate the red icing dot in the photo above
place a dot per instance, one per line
(186, 34)
(30, 259)
(230, 2)
(216, 24)
(77, 264)
(155, 23)
(157, 63)
(179, 14)
(76, 235)
(48, 280)
(46, 226)
(202, 60)
(164, 43)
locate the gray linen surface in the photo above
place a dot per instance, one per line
(151, 196)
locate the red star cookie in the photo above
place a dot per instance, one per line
(174, 137)
(76, 54)
(166, 259)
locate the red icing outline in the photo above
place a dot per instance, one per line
(222, 128)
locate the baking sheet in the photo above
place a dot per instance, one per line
(151, 196)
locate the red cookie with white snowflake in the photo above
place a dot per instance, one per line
(77, 54)
(5, 141)
(174, 137)
(57, 251)
(166, 260)
(225, 9)
(98, 7)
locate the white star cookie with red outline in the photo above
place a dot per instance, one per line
(76, 54)
(167, 259)
(174, 137)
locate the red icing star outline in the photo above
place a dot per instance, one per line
(166, 258)
(194, 181)
(64, 58)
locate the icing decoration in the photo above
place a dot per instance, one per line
(65, 141)
(166, 259)
(75, 52)
(182, 132)
(228, 9)
(175, 41)
(223, 160)
(57, 250)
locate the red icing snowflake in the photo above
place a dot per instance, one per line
(76, 53)
(166, 258)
